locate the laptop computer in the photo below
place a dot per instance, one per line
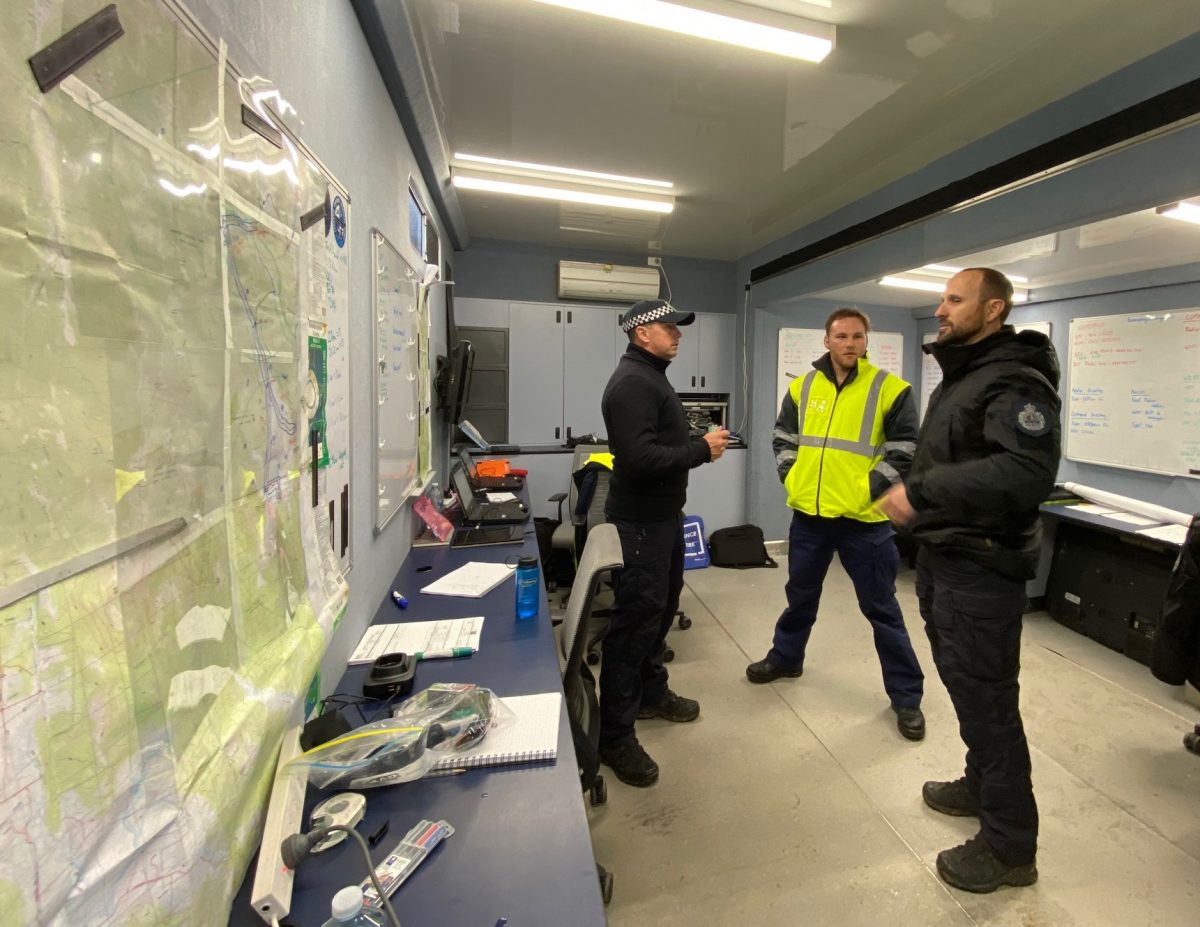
(478, 511)
(482, 443)
(487, 482)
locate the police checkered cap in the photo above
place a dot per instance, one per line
(654, 310)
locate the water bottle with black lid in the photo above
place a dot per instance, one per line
(528, 594)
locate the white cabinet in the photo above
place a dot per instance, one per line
(560, 359)
(705, 361)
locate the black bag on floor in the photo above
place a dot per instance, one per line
(739, 547)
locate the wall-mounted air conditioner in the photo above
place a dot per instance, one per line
(613, 282)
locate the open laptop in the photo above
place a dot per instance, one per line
(478, 511)
(487, 482)
(482, 443)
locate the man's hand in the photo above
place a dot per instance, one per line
(895, 505)
(717, 441)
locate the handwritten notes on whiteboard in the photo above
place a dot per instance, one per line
(1134, 397)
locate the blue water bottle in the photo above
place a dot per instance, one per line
(528, 594)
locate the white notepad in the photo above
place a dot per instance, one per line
(417, 637)
(530, 737)
(472, 580)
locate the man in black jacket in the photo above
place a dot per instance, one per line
(1176, 655)
(653, 450)
(986, 458)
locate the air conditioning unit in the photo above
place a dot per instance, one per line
(611, 282)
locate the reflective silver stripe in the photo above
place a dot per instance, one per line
(905, 447)
(868, 419)
(840, 444)
(888, 472)
(787, 456)
(785, 436)
(802, 402)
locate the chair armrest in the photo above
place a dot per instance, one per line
(558, 497)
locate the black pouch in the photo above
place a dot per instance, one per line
(739, 547)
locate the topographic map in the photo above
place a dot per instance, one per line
(173, 592)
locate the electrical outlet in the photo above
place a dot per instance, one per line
(654, 261)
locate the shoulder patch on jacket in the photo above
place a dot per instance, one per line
(1031, 417)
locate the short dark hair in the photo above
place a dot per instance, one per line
(846, 312)
(994, 285)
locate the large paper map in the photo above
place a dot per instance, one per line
(158, 300)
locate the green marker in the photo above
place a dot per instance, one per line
(446, 654)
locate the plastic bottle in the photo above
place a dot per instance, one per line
(349, 910)
(528, 594)
(436, 497)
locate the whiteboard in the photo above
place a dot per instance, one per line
(1134, 398)
(799, 347)
(397, 380)
(931, 373)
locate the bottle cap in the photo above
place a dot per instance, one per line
(527, 561)
(347, 903)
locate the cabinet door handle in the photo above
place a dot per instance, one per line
(555, 434)
(557, 316)
(568, 316)
(693, 381)
(701, 381)
(568, 432)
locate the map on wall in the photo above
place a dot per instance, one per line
(174, 340)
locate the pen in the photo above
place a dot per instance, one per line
(446, 654)
(399, 599)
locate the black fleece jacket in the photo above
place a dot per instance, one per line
(1176, 655)
(650, 441)
(988, 451)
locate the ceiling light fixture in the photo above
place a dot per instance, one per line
(937, 286)
(1187, 212)
(799, 38)
(486, 163)
(562, 194)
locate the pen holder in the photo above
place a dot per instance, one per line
(528, 597)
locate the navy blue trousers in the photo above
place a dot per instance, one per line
(646, 592)
(869, 557)
(973, 619)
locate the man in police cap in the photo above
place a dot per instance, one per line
(986, 459)
(653, 450)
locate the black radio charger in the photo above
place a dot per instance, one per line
(391, 674)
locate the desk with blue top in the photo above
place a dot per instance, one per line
(521, 848)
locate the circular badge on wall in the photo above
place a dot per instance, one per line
(339, 222)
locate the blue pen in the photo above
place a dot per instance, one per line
(399, 599)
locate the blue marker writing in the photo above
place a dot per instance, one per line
(399, 599)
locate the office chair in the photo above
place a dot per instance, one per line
(570, 534)
(601, 555)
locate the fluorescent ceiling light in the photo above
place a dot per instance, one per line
(1188, 212)
(811, 44)
(563, 194)
(937, 286)
(928, 286)
(569, 171)
(949, 270)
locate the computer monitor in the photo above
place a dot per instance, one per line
(462, 485)
(467, 463)
(456, 386)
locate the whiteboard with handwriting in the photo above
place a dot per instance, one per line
(1134, 397)
(799, 347)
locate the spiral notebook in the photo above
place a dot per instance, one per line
(529, 737)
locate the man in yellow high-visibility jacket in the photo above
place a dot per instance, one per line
(845, 435)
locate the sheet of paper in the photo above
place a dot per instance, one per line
(1091, 508)
(1175, 534)
(472, 579)
(1131, 519)
(501, 497)
(417, 636)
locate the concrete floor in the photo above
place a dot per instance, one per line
(798, 802)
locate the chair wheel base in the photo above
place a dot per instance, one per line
(668, 655)
(606, 883)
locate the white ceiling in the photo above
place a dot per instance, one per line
(756, 145)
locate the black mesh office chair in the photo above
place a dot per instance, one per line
(601, 555)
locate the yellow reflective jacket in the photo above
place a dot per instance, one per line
(838, 450)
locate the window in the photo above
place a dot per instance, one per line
(416, 223)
